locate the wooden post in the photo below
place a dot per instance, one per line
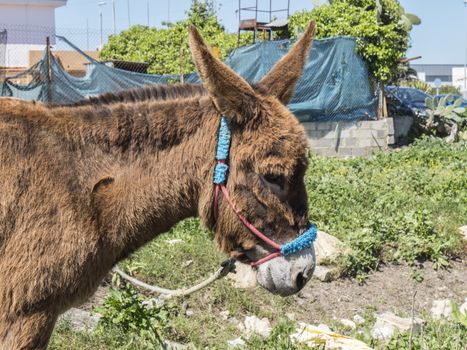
(379, 113)
(182, 79)
(385, 106)
(49, 70)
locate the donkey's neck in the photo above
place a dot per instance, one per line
(160, 156)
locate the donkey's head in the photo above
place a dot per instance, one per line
(267, 163)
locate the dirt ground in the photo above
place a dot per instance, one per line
(390, 289)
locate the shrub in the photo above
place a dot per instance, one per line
(161, 47)
(383, 36)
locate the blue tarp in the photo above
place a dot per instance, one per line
(334, 86)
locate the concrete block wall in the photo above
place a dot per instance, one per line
(350, 138)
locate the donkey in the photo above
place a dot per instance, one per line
(85, 186)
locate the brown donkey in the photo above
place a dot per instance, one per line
(83, 187)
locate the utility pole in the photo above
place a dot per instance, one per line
(148, 11)
(87, 34)
(128, 5)
(99, 5)
(114, 17)
(168, 11)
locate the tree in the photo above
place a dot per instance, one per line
(161, 47)
(380, 27)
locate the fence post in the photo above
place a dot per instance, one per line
(3, 63)
(379, 113)
(49, 71)
(182, 79)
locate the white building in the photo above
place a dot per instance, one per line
(27, 23)
(448, 74)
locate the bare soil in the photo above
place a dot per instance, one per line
(390, 289)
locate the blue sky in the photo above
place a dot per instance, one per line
(439, 39)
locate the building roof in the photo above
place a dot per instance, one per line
(53, 3)
(435, 69)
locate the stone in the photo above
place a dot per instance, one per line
(310, 125)
(348, 323)
(390, 123)
(189, 312)
(187, 263)
(358, 319)
(463, 307)
(324, 126)
(387, 323)
(324, 273)
(81, 320)
(170, 345)
(237, 323)
(244, 278)
(441, 309)
(327, 247)
(254, 325)
(322, 143)
(358, 152)
(324, 328)
(175, 241)
(345, 152)
(350, 142)
(239, 342)
(463, 231)
(225, 314)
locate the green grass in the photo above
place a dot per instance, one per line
(397, 206)
(394, 206)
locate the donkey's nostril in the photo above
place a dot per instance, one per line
(300, 281)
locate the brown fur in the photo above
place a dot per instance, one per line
(85, 186)
(150, 92)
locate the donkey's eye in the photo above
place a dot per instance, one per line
(275, 179)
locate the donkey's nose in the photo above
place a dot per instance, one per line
(299, 280)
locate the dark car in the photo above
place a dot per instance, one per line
(453, 98)
(406, 101)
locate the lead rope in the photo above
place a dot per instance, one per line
(227, 267)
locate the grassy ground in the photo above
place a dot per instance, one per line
(403, 206)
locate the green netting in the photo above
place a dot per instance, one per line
(334, 86)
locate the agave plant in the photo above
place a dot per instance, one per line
(417, 84)
(443, 116)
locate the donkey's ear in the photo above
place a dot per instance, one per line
(232, 95)
(280, 81)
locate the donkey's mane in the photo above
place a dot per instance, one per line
(159, 92)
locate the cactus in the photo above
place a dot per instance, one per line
(442, 116)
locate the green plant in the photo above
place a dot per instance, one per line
(457, 315)
(417, 84)
(383, 36)
(396, 206)
(444, 117)
(434, 335)
(444, 90)
(124, 310)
